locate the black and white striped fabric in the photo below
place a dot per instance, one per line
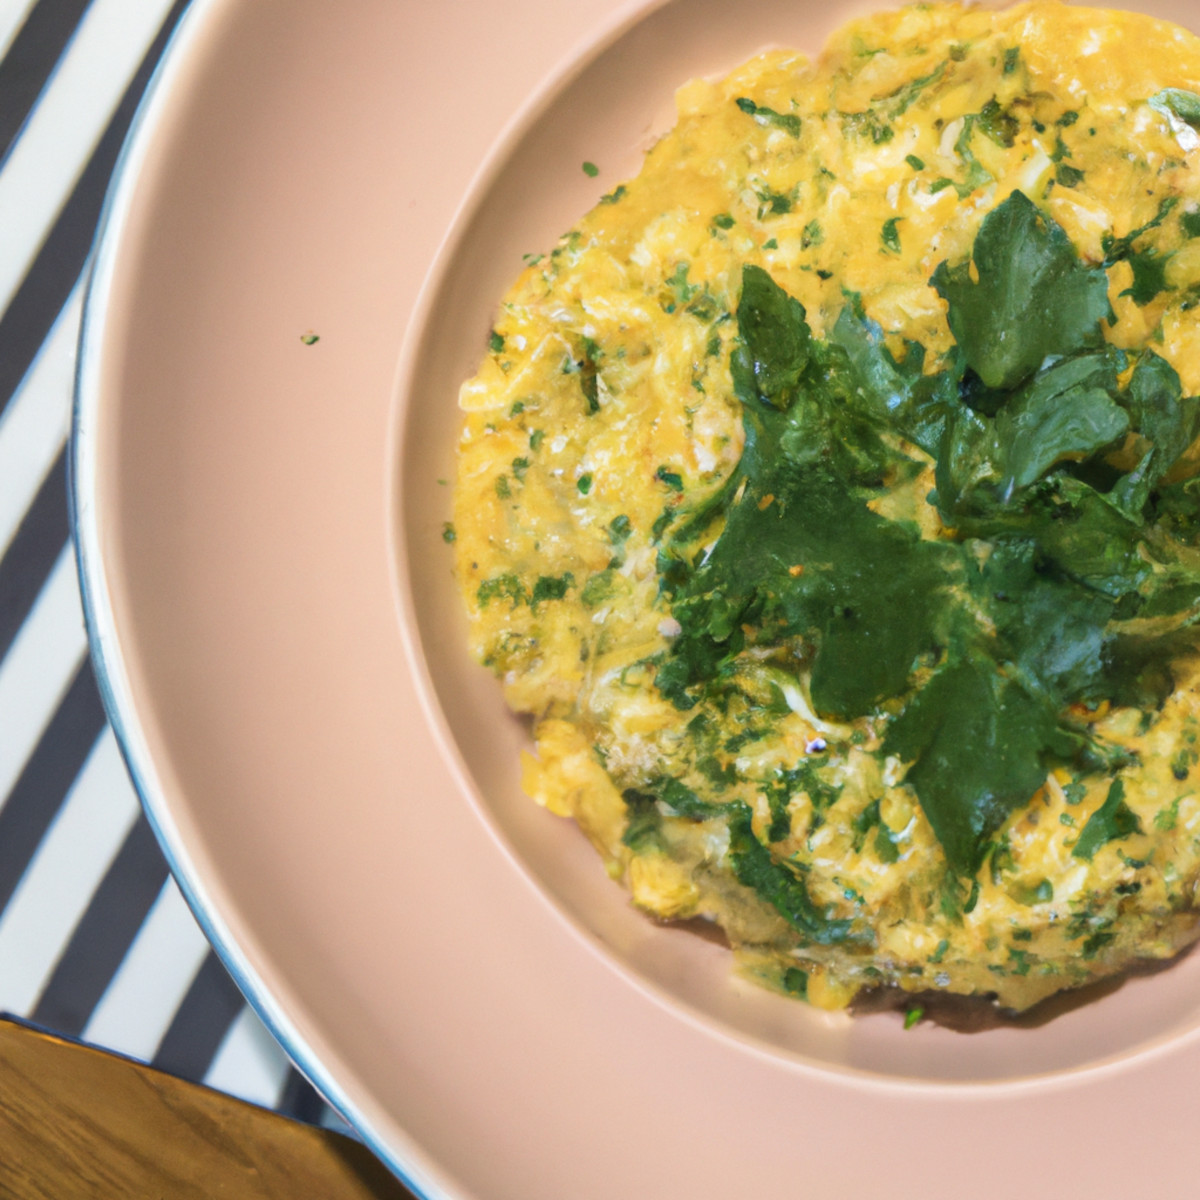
(96, 941)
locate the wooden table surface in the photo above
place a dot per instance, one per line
(80, 1122)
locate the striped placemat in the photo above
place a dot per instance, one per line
(96, 941)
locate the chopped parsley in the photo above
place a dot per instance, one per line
(586, 366)
(795, 982)
(598, 588)
(1182, 105)
(501, 587)
(1111, 821)
(1166, 818)
(672, 479)
(1149, 276)
(550, 587)
(788, 122)
(1067, 175)
(772, 203)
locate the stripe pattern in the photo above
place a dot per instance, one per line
(96, 941)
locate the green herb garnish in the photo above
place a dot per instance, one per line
(788, 122)
(1059, 587)
(1034, 295)
(1178, 103)
(1111, 821)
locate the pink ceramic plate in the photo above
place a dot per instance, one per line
(259, 519)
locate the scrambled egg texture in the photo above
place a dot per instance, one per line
(712, 698)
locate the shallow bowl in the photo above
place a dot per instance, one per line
(317, 214)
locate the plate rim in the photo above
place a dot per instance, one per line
(103, 635)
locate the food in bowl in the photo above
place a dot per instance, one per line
(827, 496)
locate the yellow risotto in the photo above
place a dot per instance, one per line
(825, 497)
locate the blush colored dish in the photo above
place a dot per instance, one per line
(310, 229)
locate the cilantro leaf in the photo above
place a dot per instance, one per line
(587, 367)
(1160, 412)
(1178, 103)
(1118, 248)
(1149, 276)
(643, 823)
(1034, 296)
(551, 587)
(1066, 412)
(775, 337)
(1163, 415)
(788, 122)
(977, 174)
(1060, 414)
(893, 392)
(854, 582)
(978, 743)
(1050, 628)
(1067, 175)
(756, 868)
(1000, 126)
(877, 121)
(753, 864)
(1113, 820)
